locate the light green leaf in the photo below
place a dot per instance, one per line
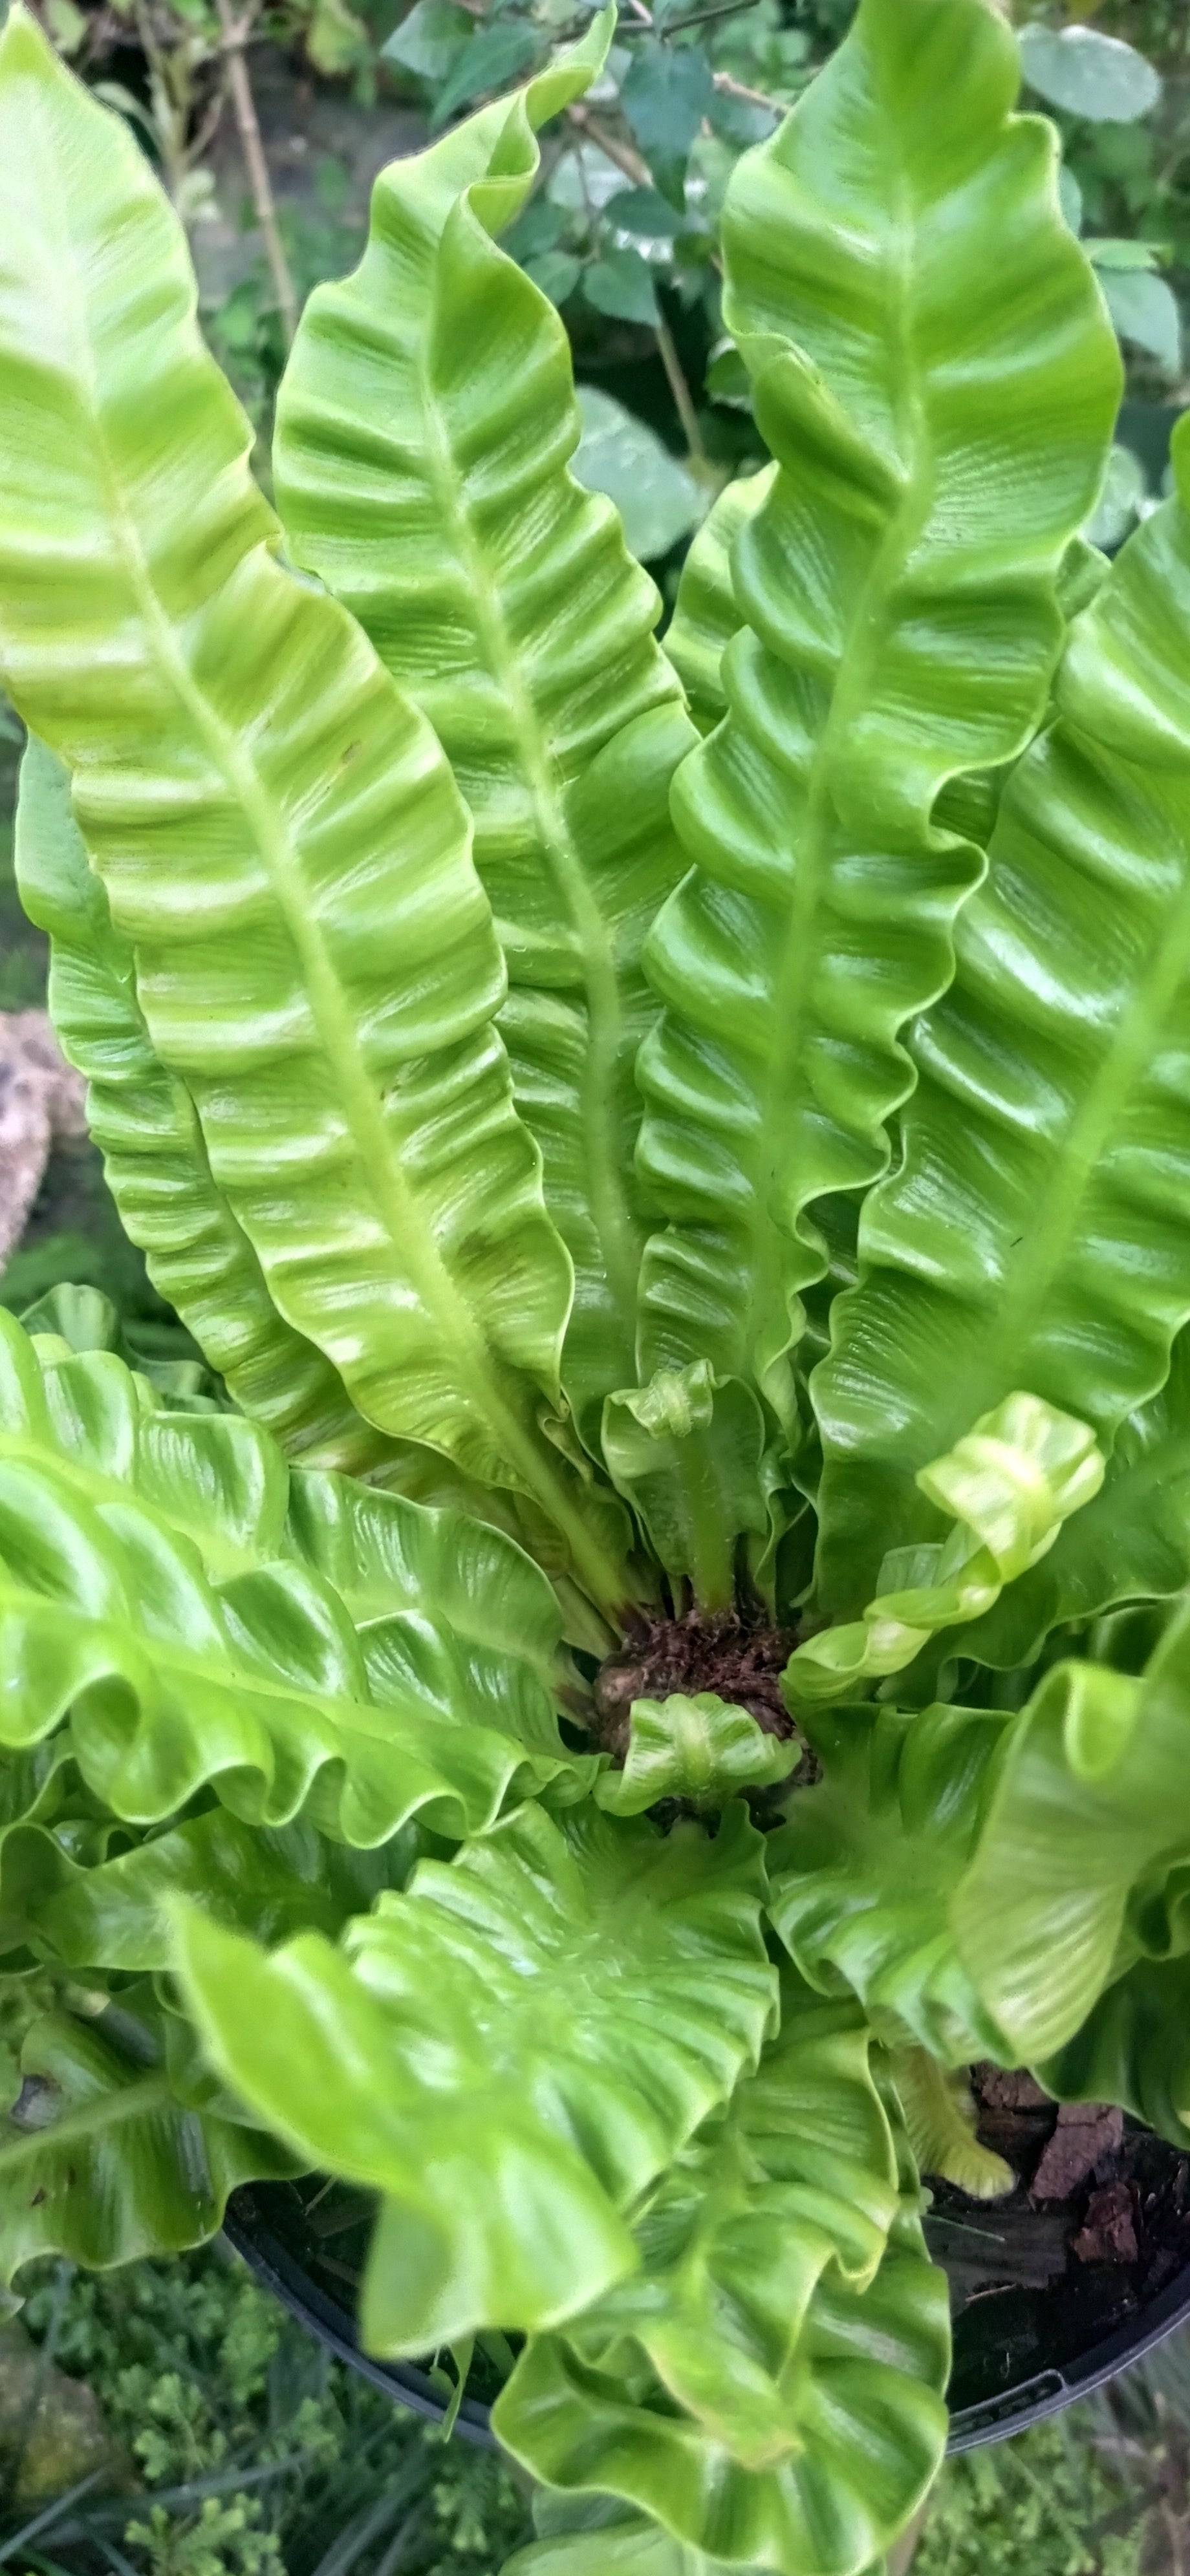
(1134, 2049)
(1132, 1543)
(1089, 74)
(144, 1609)
(115, 1915)
(425, 478)
(1034, 1233)
(934, 372)
(585, 2535)
(769, 2384)
(99, 2161)
(155, 1159)
(687, 1450)
(277, 829)
(620, 456)
(1008, 1486)
(863, 1874)
(1145, 311)
(699, 1750)
(1085, 1844)
(509, 2053)
(940, 2123)
(705, 616)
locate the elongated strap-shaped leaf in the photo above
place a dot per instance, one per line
(1009, 1485)
(1084, 1855)
(155, 1160)
(1035, 1232)
(509, 2053)
(688, 1450)
(934, 372)
(795, 2336)
(939, 2111)
(424, 430)
(107, 2164)
(706, 618)
(276, 827)
(1130, 1544)
(863, 1874)
(696, 1749)
(705, 614)
(113, 1914)
(143, 1606)
(1134, 2049)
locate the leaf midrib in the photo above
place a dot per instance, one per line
(787, 1258)
(1136, 1041)
(465, 1348)
(621, 1237)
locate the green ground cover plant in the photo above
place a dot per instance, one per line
(657, 1623)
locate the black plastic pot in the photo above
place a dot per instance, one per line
(1021, 2351)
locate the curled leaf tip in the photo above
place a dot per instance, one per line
(1008, 1485)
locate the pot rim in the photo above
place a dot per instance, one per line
(991, 2419)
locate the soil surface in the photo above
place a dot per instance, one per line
(740, 1661)
(1098, 2225)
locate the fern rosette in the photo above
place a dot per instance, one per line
(659, 1635)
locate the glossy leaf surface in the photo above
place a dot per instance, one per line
(509, 2053)
(114, 1915)
(687, 1451)
(143, 1607)
(705, 614)
(798, 2335)
(699, 1750)
(864, 1872)
(155, 1158)
(934, 372)
(1134, 2049)
(100, 2162)
(277, 829)
(1009, 1486)
(1082, 1859)
(425, 429)
(1034, 1233)
(1131, 1543)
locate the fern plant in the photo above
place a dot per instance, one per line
(663, 1637)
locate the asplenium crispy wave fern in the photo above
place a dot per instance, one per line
(664, 1634)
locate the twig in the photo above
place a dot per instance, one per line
(698, 17)
(235, 36)
(740, 89)
(622, 154)
(683, 402)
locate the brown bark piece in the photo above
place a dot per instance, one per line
(1110, 2234)
(1086, 2131)
(1008, 2089)
(40, 1098)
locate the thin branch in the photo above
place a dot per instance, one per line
(235, 37)
(205, 133)
(622, 154)
(740, 89)
(683, 400)
(698, 17)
